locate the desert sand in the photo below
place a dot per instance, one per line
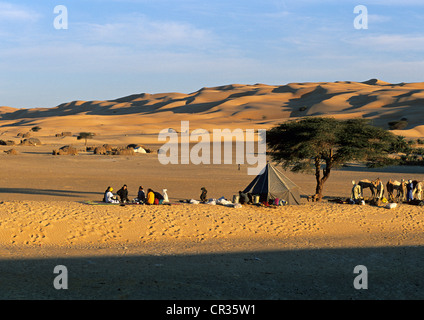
(199, 252)
(187, 251)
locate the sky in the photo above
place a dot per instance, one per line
(115, 48)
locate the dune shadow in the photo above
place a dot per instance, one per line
(388, 169)
(318, 274)
(361, 100)
(16, 124)
(48, 192)
(244, 94)
(36, 153)
(300, 106)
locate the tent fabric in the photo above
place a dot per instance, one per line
(140, 150)
(272, 184)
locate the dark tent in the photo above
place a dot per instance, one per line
(272, 184)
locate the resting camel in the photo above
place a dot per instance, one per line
(376, 187)
(393, 186)
(418, 189)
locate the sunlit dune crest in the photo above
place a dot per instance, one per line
(236, 105)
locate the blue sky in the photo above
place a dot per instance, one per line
(114, 48)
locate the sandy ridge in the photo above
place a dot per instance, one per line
(229, 106)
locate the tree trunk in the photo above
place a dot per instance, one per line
(318, 190)
(326, 174)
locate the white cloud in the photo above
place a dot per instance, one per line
(12, 12)
(397, 2)
(364, 2)
(391, 42)
(376, 18)
(139, 31)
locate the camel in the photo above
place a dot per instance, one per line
(376, 187)
(418, 189)
(393, 186)
(364, 184)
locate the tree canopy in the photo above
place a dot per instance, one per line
(85, 136)
(311, 143)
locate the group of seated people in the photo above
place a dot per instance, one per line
(155, 198)
(152, 197)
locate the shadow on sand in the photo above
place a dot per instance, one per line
(389, 169)
(48, 192)
(393, 273)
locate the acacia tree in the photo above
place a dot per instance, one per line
(85, 136)
(311, 143)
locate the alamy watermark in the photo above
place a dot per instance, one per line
(60, 22)
(361, 20)
(177, 150)
(60, 282)
(361, 281)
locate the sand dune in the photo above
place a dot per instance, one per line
(243, 106)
